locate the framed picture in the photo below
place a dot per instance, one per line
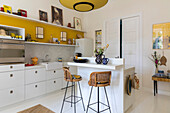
(7, 9)
(40, 32)
(64, 36)
(161, 36)
(57, 15)
(77, 23)
(43, 15)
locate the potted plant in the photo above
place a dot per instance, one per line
(99, 53)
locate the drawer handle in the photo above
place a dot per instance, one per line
(54, 81)
(11, 67)
(11, 75)
(36, 86)
(36, 71)
(54, 71)
(11, 92)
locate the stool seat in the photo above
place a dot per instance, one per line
(75, 78)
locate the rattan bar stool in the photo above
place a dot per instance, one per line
(73, 79)
(99, 79)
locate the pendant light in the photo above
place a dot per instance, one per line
(83, 5)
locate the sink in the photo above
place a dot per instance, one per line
(53, 65)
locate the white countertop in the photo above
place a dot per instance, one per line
(92, 65)
(36, 66)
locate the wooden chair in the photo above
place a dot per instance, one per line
(73, 79)
(99, 79)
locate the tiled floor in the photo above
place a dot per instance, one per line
(145, 103)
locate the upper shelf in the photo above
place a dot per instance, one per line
(39, 21)
(50, 44)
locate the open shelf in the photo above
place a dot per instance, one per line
(50, 44)
(39, 21)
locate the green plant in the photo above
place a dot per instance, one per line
(100, 51)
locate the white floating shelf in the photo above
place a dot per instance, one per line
(39, 21)
(51, 44)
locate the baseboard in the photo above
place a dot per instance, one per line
(160, 92)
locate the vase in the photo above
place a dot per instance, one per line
(156, 70)
(98, 59)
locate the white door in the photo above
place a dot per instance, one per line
(112, 37)
(131, 43)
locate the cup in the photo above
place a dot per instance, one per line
(105, 61)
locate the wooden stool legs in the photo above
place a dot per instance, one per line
(73, 96)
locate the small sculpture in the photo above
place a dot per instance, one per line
(3, 32)
(163, 60)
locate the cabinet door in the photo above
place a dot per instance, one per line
(11, 79)
(55, 74)
(34, 90)
(35, 75)
(11, 96)
(55, 84)
(6, 68)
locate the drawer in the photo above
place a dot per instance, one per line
(53, 85)
(4, 68)
(35, 75)
(34, 90)
(11, 79)
(55, 74)
(11, 96)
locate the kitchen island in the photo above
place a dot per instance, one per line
(119, 100)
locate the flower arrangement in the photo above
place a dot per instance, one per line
(156, 59)
(100, 51)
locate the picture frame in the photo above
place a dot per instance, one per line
(77, 23)
(57, 15)
(43, 15)
(63, 36)
(40, 32)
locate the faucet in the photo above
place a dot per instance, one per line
(47, 58)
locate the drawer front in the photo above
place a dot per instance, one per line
(11, 96)
(34, 90)
(4, 68)
(35, 75)
(11, 79)
(55, 74)
(53, 85)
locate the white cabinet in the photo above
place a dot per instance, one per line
(34, 90)
(11, 96)
(35, 75)
(55, 84)
(6, 68)
(52, 74)
(11, 79)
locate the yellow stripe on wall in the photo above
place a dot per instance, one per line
(30, 27)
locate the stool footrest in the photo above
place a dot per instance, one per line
(72, 97)
(100, 103)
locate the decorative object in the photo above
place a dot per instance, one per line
(135, 82)
(28, 37)
(55, 40)
(57, 16)
(156, 59)
(34, 60)
(77, 23)
(7, 9)
(40, 32)
(79, 36)
(168, 73)
(64, 36)
(69, 41)
(83, 5)
(98, 40)
(37, 109)
(22, 12)
(99, 53)
(43, 15)
(69, 25)
(2, 9)
(60, 60)
(3, 32)
(80, 60)
(73, 42)
(161, 36)
(129, 85)
(163, 60)
(105, 60)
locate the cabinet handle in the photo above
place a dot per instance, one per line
(54, 71)
(54, 81)
(36, 71)
(36, 86)
(11, 92)
(11, 67)
(11, 75)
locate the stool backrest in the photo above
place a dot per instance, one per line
(67, 74)
(100, 79)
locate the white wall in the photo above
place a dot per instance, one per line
(33, 6)
(153, 11)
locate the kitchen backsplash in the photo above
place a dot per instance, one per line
(53, 52)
